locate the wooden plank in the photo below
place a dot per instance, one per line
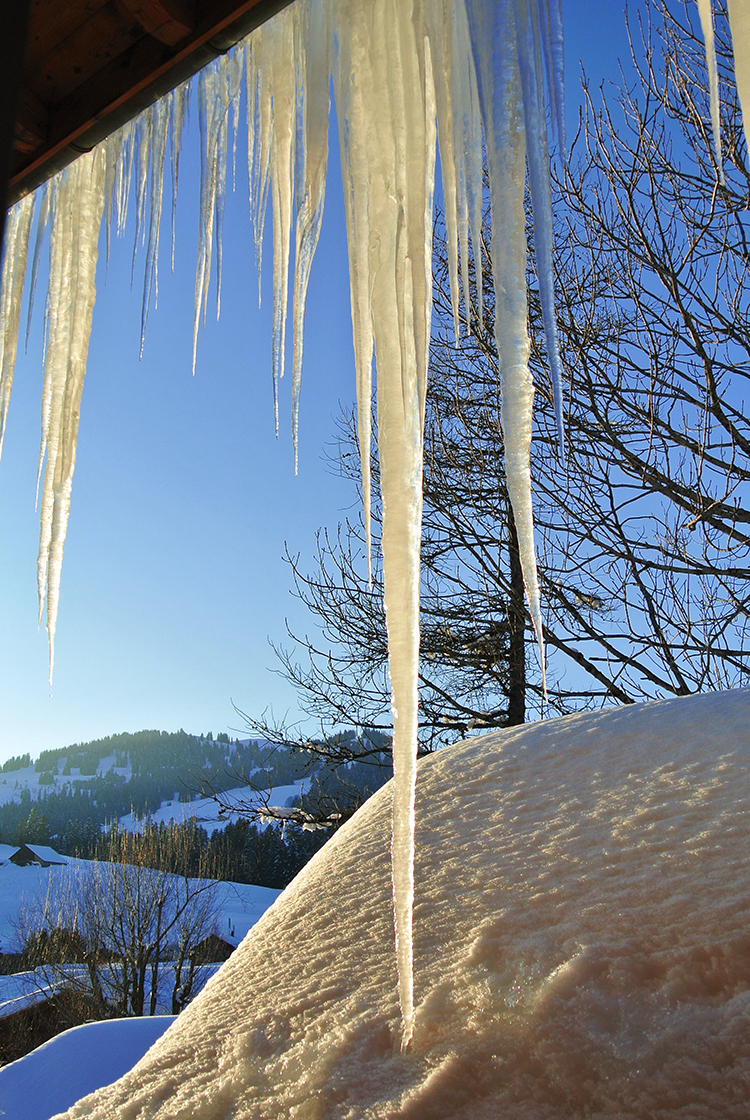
(169, 21)
(52, 23)
(32, 123)
(129, 83)
(106, 35)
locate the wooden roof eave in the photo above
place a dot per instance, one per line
(127, 85)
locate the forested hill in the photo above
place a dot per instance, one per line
(66, 795)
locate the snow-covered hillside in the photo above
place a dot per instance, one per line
(581, 944)
(209, 815)
(27, 778)
(239, 905)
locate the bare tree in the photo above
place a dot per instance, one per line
(116, 929)
(643, 528)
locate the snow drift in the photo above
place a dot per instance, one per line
(581, 936)
(75, 1062)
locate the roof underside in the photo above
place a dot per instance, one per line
(91, 65)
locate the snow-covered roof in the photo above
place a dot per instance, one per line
(44, 853)
(6, 851)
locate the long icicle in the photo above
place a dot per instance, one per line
(495, 47)
(739, 23)
(313, 101)
(15, 255)
(390, 157)
(280, 66)
(353, 150)
(707, 26)
(74, 252)
(531, 73)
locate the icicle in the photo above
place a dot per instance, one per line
(15, 253)
(550, 17)
(122, 154)
(218, 86)
(41, 226)
(355, 171)
(232, 83)
(707, 25)
(206, 83)
(279, 65)
(144, 129)
(532, 86)
(495, 47)
(467, 142)
(312, 152)
(739, 23)
(258, 149)
(159, 127)
(179, 107)
(73, 256)
(440, 32)
(388, 149)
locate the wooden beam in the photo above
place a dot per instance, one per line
(14, 21)
(32, 123)
(129, 83)
(170, 21)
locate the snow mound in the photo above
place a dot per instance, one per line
(582, 944)
(77, 1061)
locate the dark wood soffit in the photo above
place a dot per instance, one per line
(92, 65)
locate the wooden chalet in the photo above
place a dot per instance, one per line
(40, 854)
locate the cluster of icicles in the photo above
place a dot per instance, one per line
(470, 74)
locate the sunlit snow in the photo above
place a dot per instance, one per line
(580, 932)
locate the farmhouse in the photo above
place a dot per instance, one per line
(36, 853)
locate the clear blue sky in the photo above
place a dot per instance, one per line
(173, 579)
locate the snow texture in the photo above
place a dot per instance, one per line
(73, 1063)
(581, 944)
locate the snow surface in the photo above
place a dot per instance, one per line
(239, 905)
(581, 944)
(76, 1062)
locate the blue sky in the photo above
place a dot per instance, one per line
(183, 500)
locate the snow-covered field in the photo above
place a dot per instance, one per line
(581, 944)
(56, 1075)
(239, 905)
